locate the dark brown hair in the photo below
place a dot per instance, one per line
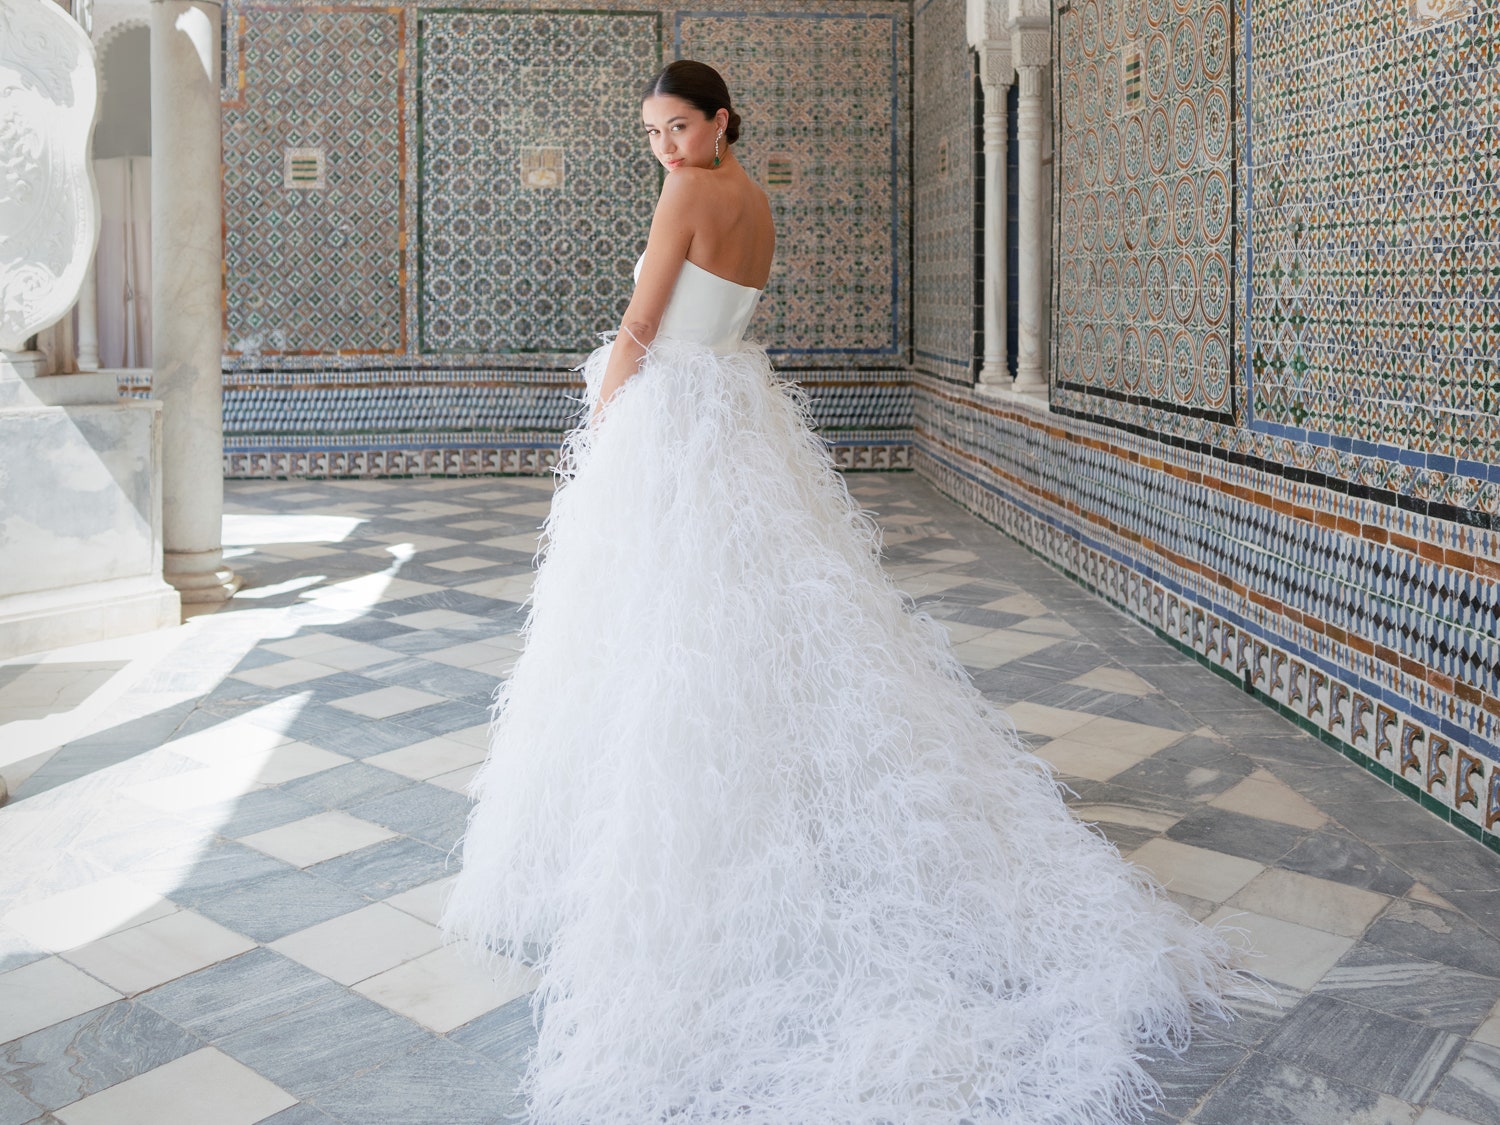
(698, 84)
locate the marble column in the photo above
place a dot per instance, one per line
(186, 301)
(1031, 280)
(88, 321)
(995, 75)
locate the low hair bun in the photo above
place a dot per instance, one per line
(732, 132)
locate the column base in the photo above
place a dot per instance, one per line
(200, 578)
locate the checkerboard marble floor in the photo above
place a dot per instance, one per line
(227, 843)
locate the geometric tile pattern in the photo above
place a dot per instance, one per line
(534, 187)
(943, 339)
(1145, 168)
(1373, 222)
(1377, 627)
(824, 102)
(220, 891)
(315, 271)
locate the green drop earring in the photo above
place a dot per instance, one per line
(716, 147)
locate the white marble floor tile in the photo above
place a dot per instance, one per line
(425, 902)
(316, 838)
(1334, 908)
(1122, 681)
(527, 543)
(1283, 951)
(369, 590)
(1489, 1031)
(428, 759)
(952, 555)
(46, 992)
(1263, 795)
(1135, 738)
(348, 657)
(472, 736)
(929, 581)
(77, 917)
(224, 741)
(1050, 722)
(1025, 605)
(270, 759)
(456, 781)
(145, 956)
(382, 703)
(446, 988)
(434, 619)
(1433, 1116)
(285, 673)
(306, 644)
(1126, 814)
(530, 508)
(206, 1087)
(1087, 760)
(512, 588)
(1195, 871)
(360, 944)
(469, 655)
(500, 669)
(464, 564)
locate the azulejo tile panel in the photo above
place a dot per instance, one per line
(315, 266)
(1371, 625)
(943, 172)
(1145, 249)
(533, 180)
(823, 97)
(1373, 221)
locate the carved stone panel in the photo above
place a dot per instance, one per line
(49, 212)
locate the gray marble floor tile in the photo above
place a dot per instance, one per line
(1424, 992)
(271, 907)
(456, 600)
(1436, 935)
(1482, 907)
(1175, 778)
(1076, 697)
(347, 785)
(429, 675)
(302, 1114)
(1455, 864)
(240, 994)
(16, 1110)
(1008, 684)
(387, 868)
(1365, 1047)
(428, 813)
(1268, 1091)
(1336, 855)
(324, 1043)
(215, 867)
(1186, 1078)
(16, 951)
(370, 628)
(1472, 1087)
(439, 1083)
(256, 811)
(1156, 712)
(1256, 1017)
(507, 1035)
(88, 1053)
(354, 737)
(443, 718)
(1249, 837)
(1108, 793)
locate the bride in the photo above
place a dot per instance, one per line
(776, 858)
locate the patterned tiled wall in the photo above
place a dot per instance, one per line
(1318, 539)
(315, 270)
(825, 132)
(1144, 253)
(431, 212)
(943, 192)
(1373, 220)
(1374, 627)
(532, 184)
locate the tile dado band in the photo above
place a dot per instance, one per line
(1176, 538)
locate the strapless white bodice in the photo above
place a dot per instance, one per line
(707, 309)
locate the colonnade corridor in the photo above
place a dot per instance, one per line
(227, 843)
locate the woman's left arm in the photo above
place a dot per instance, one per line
(666, 249)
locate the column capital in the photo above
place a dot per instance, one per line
(995, 66)
(1031, 45)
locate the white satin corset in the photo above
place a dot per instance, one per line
(707, 309)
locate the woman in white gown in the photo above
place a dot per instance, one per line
(776, 858)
